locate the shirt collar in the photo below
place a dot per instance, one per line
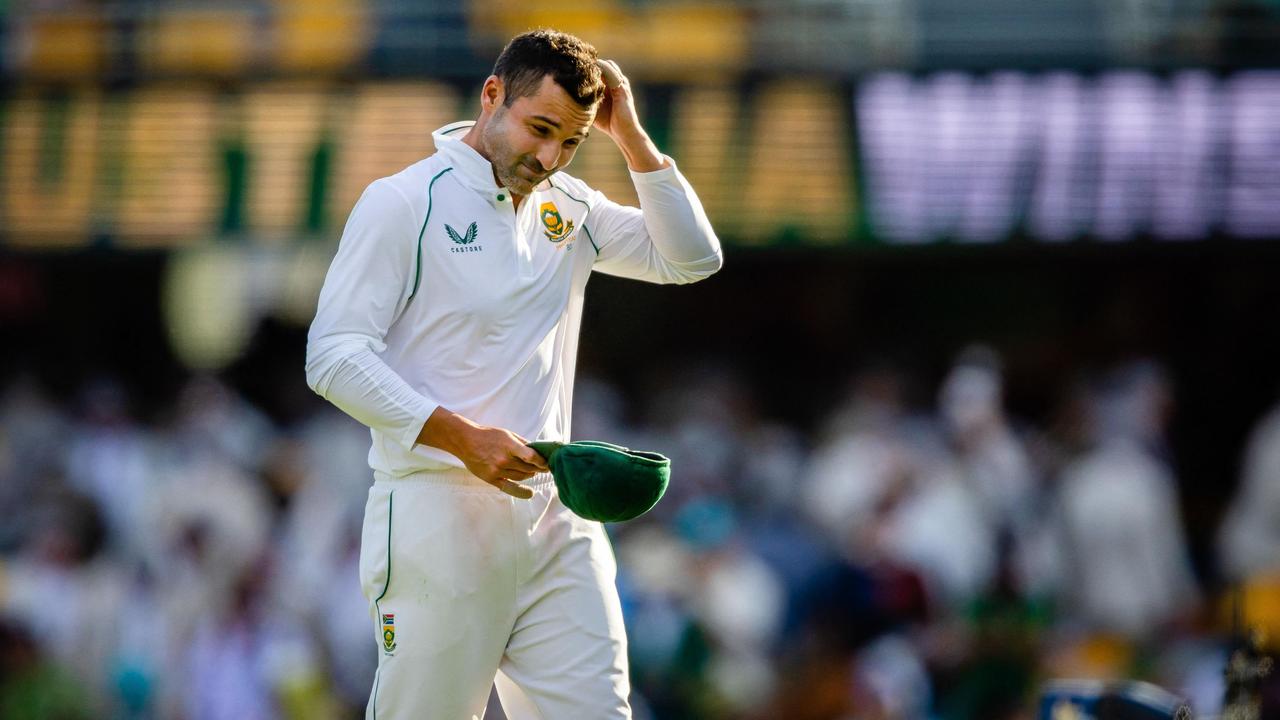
(472, 167)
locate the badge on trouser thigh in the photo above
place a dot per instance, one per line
(388, 633)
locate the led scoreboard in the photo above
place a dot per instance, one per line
(892, 157)
(1059, 155)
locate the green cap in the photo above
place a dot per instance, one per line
(605, 482)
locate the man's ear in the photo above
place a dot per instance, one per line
(492, 94)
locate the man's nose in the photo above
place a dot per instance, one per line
(549, 155)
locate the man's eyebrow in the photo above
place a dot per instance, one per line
(556, 125)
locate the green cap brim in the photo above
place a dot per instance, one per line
(605, 482)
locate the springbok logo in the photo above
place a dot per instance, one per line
(555, 227)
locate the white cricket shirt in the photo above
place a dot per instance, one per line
(443, 294)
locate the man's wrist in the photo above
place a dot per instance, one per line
(445, 430)
(640, 152)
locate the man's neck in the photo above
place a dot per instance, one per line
(472, 139)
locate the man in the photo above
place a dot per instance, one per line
(449, 323)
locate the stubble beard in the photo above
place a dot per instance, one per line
(505, 162)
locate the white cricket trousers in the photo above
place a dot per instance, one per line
(469, 587)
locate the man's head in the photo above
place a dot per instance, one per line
(537, 107)
(570, 61)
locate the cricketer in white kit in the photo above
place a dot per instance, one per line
(448, 323)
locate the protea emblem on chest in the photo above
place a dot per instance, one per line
(555, 227)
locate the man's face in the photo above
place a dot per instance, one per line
(534, 137)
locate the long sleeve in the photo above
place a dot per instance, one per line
(366, 289)
(667, 240)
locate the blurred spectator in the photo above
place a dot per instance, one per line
(61, 589)
(860, 462)
(1126, 566)
(738, 599)
(938, 527)
(888, 490)
(212, 419)
(249, 661)
(892, 679)
(109, 460)
(1250, 537)
(988, 455)
(32, 430)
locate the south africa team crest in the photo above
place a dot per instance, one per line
(388, 632)
(555, 227)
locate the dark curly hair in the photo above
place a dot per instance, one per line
(570, 60)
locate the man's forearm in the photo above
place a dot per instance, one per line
(359, 383)
(640, 152)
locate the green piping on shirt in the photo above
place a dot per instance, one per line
(584, 223)
(417, 274)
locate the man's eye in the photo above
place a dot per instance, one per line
(540, 130)
(571, 143)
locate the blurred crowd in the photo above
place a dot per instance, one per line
(901, 562)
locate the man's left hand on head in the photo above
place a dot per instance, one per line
(616, 116)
